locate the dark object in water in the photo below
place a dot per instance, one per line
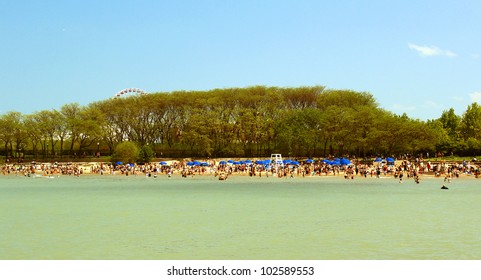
(222, 176)
(444, 187)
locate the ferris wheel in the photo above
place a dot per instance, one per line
(129, 91)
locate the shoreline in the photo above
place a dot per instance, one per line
(340, 176)
(213, 167)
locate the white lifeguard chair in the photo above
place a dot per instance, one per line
(276, 161)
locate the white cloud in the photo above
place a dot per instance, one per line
(475, 97)
(430, 51)
(458, 98)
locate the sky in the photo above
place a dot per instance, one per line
(414, 57)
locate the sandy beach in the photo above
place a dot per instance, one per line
(401, 170)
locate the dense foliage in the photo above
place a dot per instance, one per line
(238, 122)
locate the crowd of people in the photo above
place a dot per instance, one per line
(402, 169)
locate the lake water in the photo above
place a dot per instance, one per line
(105, 217)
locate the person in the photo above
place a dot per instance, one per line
(416, 179)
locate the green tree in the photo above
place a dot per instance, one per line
(146, 154)
(126, 152)
(71, 114)
(471, 122)
(451, 123)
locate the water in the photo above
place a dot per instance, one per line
(104, 217)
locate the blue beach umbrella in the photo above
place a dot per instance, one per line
(336, 161)
(222, 162)
(190, 163)
(378, 159)
(309, 161)
(119, 163)
(345, 161)
(163, 163)
(230, 161)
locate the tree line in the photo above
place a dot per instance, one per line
(238, 122)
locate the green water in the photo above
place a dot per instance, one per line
(103, 217)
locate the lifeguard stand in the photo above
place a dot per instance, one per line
(276, 161)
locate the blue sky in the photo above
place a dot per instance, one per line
(418, 57)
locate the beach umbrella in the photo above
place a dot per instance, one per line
(378, 160)
(267, 161)
(336, 161)
(132, 165)
(345, 161)
(248, 161)
(222, 162)
(204, 164)
(294, 163)
(326, 161)
(190, 163)
(196, 163)
(309, 161)
(390, 161)
(119, 163)
(236, 163)
(287, 161)
(230, 161)
(163, 163)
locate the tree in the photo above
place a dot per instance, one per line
(126, 152)
(146, 154)
(71, 114)
(471, 122)
(299, 131)
(90, 127)
(451, 123)
(253, 121)
(13, 131)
